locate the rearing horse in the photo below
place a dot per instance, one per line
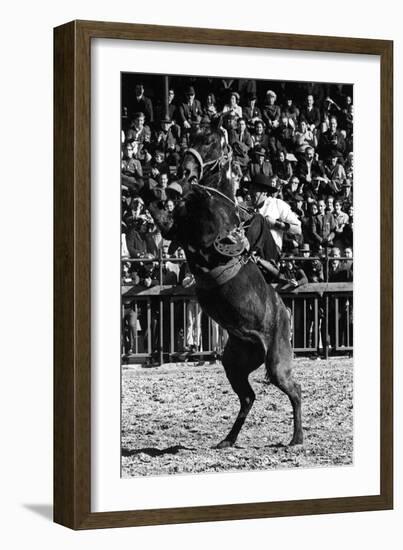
(231, 288)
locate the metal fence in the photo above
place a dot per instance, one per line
(164, 323)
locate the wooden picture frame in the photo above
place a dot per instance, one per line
(72, 270)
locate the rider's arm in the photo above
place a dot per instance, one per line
(288, 221)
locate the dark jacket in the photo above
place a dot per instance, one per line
(190, 113)
(323, 228)
(312, 116)
(329, 142)
(144, 105)
(301, 170)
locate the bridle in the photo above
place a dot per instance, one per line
(232, 242)
(210, 166)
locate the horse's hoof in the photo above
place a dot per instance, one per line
(296, 441)
(224, 444)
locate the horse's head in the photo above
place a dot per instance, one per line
(208, 161)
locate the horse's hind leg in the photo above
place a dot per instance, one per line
(279, 369)
(239, 360)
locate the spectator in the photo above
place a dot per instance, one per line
(341, 219)
(313, 268)
(304, 137)
(334, 172)
(131, 169)
(251, 112)
(291, 111)
(258, 136)
(291, 189)
(330, 204)
(309, 171)
(271, 111)
(282, 167)
(331, 140)
(338, 270)
(163, 180)
(348, 262)
(210, 108)
(330, 108)
(158, 164)
(172, 107)
(323, 227)
(165, 141)
(232, 106)
(240, 159)
(310, 113)
(142, 103)
(293, 272)
(297, 205)
(190, 111)
(136, 245)
(260, 164)
(283, 137)
(138, 131)
(243, 134)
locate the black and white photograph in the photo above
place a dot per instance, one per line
(237, 254)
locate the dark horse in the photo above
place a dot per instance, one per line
(230, 289)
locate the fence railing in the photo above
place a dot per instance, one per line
(164, 323)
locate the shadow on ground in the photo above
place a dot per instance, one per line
(152, 451)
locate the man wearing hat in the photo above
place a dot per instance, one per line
(251, 112)
(166, 141)
(190, 110)
(278, 218)
(260, 164)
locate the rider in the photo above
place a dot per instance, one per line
(270, 213)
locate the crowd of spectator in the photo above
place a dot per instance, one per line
(300, 134)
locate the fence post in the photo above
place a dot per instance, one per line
(326, 343)
(161, 329)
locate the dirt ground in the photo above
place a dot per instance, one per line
(173, 415)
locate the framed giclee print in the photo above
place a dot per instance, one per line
(215, 192)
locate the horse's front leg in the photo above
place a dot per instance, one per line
(239, 360)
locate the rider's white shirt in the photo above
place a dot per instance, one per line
(280, 210)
